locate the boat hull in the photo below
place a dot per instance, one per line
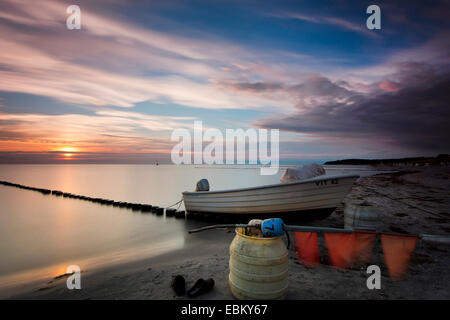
(314, 197)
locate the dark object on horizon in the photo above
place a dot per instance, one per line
(201, 287)
(160, 211)
(178, 285)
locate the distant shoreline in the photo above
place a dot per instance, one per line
(442, 159)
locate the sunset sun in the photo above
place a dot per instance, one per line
(68, 150)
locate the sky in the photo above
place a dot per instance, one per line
(114, 91)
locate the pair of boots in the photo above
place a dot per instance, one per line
(200, 287)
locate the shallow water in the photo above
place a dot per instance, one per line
(40, 235)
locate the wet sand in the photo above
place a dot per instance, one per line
(423, 207)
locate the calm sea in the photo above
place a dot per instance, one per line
(41, 235)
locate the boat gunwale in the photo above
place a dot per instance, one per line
(315, 179)
(278, 193)
(207, 204)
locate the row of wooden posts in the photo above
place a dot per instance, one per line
(144, 208)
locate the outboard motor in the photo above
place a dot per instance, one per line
(202, 185)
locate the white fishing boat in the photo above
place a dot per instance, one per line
(313, 198)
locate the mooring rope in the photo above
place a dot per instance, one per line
(178, 202)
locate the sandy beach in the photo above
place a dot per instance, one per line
(423, 208)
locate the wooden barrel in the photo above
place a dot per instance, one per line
(361, 216)
(258, 267)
